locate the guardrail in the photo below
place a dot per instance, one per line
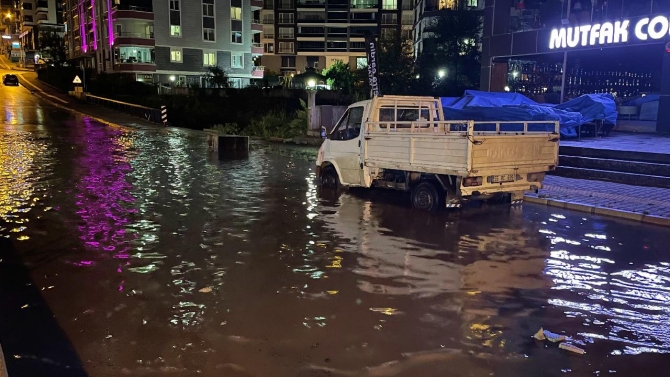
(147, 113)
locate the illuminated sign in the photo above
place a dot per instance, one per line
(608, 33)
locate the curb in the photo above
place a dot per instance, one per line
(3, 365)
(595, 210)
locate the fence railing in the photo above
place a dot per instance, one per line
(147, 113)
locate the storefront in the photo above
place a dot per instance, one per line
(604, 50)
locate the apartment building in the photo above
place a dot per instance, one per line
(426, 13)
(300, 34)
(37, 17)
(168, 41)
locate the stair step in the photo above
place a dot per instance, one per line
(613, 176)
(650, 157)
(616, 165)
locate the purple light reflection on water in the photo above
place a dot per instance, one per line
(103, 199)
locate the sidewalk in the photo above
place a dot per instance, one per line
(638, 203)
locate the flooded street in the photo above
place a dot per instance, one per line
(130, 252)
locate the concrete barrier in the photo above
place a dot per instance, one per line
(227, 146)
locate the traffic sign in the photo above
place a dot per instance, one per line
(76, 80)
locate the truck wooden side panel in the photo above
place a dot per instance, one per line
(522, 153)
(422, 152)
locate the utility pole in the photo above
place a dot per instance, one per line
(565, 59)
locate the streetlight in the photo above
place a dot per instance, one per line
(507, 88)
(172, 78)
(441, 73)
(311, 83)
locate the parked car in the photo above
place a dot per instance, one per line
(10, 79)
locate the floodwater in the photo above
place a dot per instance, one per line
(130, 252)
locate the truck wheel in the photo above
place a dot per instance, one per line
(329, 179)
(426, 197)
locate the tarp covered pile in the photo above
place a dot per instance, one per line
(491, 106)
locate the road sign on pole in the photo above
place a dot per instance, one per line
(76, 80)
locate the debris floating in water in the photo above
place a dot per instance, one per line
(571, 348)
(205, 290)
(543, 334)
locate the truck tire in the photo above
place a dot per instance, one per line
(329, 179)
(426, 197)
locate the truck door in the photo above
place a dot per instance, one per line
(345, 146)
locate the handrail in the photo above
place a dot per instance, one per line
(146, 113)
(462, 126)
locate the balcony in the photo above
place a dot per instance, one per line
(257, 72)
(363, 4)
(257, 48)
(135, 67)
(256, 5)
(256, 27)
(129, 11)
(138, 39)
(42, 7)
(311, 4)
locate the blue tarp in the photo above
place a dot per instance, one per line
(592, 107)
(492, 106)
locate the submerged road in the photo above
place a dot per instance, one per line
(127, 252)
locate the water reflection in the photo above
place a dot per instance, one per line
(194, 266)
(624, 303)
(24, 165)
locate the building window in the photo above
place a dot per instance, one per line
(389, 19)
(288, 62)
(175, 56)
(235, 13)
(237, 61)
(406, 34)
(209, 59)
(388, 33)
(269, 48)
(313, 61)
(286, 32)
(118, 29)
(286, 4)
(285, 47)
(134, 54)
(285, 18)
(175, 18)
(390, 4)
(269, 19)
(208, 35)
(361, 63)
(235, 83)
(208, 23)
(208, 8)
(268, 31)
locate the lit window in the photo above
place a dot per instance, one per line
(175, 56)
(209, 59)
(236, 37)
(175, 30)
(390, 4)
(236, 13)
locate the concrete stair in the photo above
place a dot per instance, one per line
(633, 168)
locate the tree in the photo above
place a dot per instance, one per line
(396, 66)
(53, 44)
(340, 76)
(216, 77)
(449, 61)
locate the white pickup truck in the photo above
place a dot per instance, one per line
(404, 143)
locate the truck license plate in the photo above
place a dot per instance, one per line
(503, 178)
